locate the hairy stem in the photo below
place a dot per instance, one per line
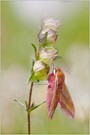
(29, 104)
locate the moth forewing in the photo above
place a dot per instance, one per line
(66, 102)
(55, 99)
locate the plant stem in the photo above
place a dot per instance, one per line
(29, 104)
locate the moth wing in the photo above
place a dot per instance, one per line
(66, 102)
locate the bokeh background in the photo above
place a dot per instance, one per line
(20, 25)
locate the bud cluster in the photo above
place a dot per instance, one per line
(46, 53)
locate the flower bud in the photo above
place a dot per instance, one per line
(48, 54)
(48, 35)
(47, 38)
(52, 24)
(40, 70)
(42, 38)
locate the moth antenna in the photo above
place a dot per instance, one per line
(67, 70)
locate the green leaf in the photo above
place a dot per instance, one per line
(35, 106)
(32, 105)
(35, 49)
(32, 73)
(33, 61)
(30, 78)
(26, 104)
(20, 103)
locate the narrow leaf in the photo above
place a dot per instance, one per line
(35, 106)
(30, 78)
(26, 104)
(35, 49)
(20, 103)
(32, 73)
(33, 61)
(32, 105)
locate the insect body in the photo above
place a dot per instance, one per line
(58, 93)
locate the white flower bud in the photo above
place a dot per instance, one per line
(38, 66)
(52, 36)
(48, 34)
(51, 23)
(48, 54)
(40, 70)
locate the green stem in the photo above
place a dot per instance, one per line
(29, 104)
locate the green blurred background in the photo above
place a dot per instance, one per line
(20, 22)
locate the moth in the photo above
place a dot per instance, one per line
(58, 93)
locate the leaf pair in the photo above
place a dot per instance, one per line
(32, 108)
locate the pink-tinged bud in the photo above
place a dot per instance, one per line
(52, 36)
(47, 37)
(48, 54)
(52, 24)
(58, 93)
(42, 37)
(48, 33)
